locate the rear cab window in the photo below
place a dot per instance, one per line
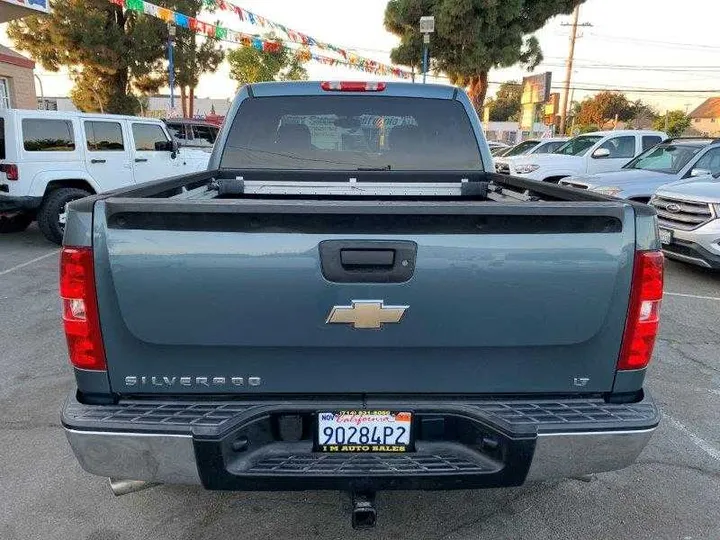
(44, 135)
(648, 141)
(351, 133)
(104, 136)
(149, 137)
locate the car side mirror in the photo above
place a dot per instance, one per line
(700, 172)
(168, 146)
(601, 153)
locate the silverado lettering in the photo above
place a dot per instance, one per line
(143, 380)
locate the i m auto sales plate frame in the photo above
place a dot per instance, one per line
(364, 431)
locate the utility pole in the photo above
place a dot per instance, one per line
(569, 66)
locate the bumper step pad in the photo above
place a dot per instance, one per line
(216, 418)
(352, 464)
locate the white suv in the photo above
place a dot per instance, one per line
(595, 152)
(50, 158)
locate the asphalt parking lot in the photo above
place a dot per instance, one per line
(673, 491)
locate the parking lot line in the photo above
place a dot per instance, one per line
(701, 443)
(36, 259)
(715, 298)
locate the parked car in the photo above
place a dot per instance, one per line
(590, 153)
(313, 297)
(530, 146)
(191, 133)
(689, 219)
(669, 161)
(497, 147)
(49, 158)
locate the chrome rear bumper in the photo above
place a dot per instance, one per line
(550, 447)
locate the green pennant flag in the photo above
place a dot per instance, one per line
(135, 5)
(220, 32)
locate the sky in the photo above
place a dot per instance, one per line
(632, 45)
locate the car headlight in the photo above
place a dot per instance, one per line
(525, 169)
(607, 190)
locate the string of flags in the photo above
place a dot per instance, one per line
(349, 59)
(293, 35)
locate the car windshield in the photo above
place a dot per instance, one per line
(352, 132)
(579, 145)
(665, 158)
(498, 151)
(522, 148)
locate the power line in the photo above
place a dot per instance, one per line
(626, 39)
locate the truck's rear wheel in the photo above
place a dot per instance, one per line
(53, 209)
(15, 223)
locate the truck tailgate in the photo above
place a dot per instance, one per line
(233, 296)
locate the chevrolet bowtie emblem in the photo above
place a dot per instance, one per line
(366, 314)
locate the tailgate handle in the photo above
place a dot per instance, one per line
(367, 261)
(367, 257)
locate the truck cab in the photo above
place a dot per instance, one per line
(50, 158)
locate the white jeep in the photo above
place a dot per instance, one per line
(49, 158)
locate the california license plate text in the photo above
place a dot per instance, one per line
(364, 431)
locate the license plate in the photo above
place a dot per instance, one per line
(364, 431)
(666, 236)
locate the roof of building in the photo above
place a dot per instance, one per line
(8, 56)
(710, 108)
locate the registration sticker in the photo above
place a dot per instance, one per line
(364, 431)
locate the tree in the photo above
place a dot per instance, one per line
(194, 55)
(643, 115)
(108, 51)
(677, 123)
(250, 65)
(603, 107)
(472, 36)
(505, 106)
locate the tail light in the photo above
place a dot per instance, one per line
(10, 170)
(643, 318)
(79, 309)
(353, 86)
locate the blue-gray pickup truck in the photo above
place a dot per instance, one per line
(351, 299)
